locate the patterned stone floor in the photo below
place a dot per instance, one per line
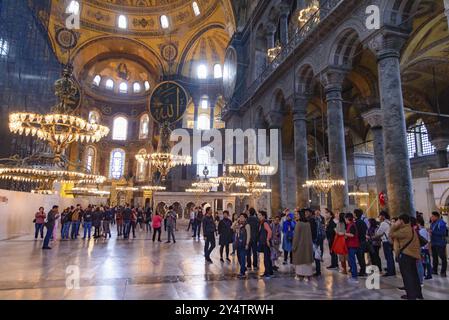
(140, 269)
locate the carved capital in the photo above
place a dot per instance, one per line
(333, 79)
(274, 119)
(387, 43)
(270, 29)
(374, 118)
(284, 10)
(300, 107)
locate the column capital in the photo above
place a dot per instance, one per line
(284, 9)
(387, 43)
(274, 118)
(374, 118)
(270, 29)
(333, 78)
(300, 106)
(440, 143)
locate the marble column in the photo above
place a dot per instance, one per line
(439, 137)
(374, 118)
(283, 23)
(196, 105)
(398, 173)
(275, 122)
(270, 29)
(333, 80)
(300, 143)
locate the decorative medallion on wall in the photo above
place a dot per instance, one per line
(169, 52)
(168, 102)
(143, 23)
(66, 39)
(106, 110)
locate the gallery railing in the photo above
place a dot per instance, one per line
(296, 40)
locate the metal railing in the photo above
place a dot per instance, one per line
(296, 40)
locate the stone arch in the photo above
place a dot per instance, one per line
(260, 50)
(278, 102)
(161, 208)
(399, 12)
(444, 200)
(305, 79)
(177, 207)
(344, 48)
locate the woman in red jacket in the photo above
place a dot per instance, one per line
(156, 224)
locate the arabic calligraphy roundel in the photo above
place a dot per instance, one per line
(168, 102)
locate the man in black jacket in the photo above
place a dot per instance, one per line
(362, 229)
(51, 217)
(314, 227)
(209, 229)
(253, 222)
(127, 213)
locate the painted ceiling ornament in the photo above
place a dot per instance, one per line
(168, 102)
(66, 39)
(169, 52)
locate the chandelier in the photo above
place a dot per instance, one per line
(227, 181)
(163, 160)
(253, 184)
(89, 192)
(251, 171)
(358, 194)
(307, 13)
(196, 190)
(257, 192)
(60, 127)
(241, 195)
(272, 53)
(323, 182)
(153, 188)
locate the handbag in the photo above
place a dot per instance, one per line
(34, 220)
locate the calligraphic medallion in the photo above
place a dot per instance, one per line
(168, 102)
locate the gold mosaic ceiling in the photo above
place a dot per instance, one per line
(162, 51)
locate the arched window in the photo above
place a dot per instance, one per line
(94, 117)
(144, 126)
(73, 8)
(141, 167)
(196, 8)
(136, 87)
(4, 47)
(205, 158)
(147, 85)
(90, 159)
(218, 73)
(204, 102)
(97, 80)
(122, 22)
(123, 88)
(202, 71)
(117, 164)
(418, 143)
(109, 84)
(164, 22)
(120, 129)
(203, 122)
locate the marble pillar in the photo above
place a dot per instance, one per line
(333, 80)
(275, 122)
(300, 145)
(283, 23)
(270, 29)
(374, 118)
(398, 174)
(439, 137)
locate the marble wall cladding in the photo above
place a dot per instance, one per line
(28, 68)
(17, 210)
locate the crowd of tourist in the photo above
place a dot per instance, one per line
(290, 237)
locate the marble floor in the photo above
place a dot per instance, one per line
(140, 269)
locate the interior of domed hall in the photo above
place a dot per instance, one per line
(224, 149)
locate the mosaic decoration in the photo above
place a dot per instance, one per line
(169, 52)
(66, 38)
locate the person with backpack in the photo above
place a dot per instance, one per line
(253, 222)
(383, 233)
(209, 230)
(362, 230)
(75, 223)
(408, 250)
(242, 231)
(425, 252)
(438, 234)
(87, 222)
(353, 245)
(225, 232)
(50, 224)
(66, 221)
(264, 243)
(198, 222)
